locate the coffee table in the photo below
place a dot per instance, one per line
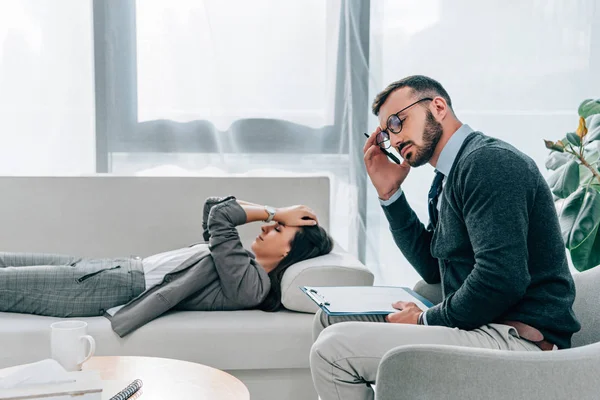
(165, 378)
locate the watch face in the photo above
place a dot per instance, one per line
(271, 212)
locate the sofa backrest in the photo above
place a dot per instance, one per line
(116, 216)
(587, 306)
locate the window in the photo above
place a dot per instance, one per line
(218, 76)
(46, 88)
(232, 86)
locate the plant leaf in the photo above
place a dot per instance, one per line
(556, 160)
(554, 146)
(583, 220)
(574, 139)
(587, 255)
(593, 126)
(569, 213)
(558, 146)
(581, 129)
(589, 107)
(565, 180)
(584, 175)
(591, 153)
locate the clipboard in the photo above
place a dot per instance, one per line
(362, 300)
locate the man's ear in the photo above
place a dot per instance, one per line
(440, 108)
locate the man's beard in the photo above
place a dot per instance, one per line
(431, 137)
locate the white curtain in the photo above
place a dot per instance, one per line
(47, 116)
(226, 60)
(284, 87)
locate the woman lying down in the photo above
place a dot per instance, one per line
(218, 275)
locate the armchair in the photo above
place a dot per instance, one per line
(451, 372)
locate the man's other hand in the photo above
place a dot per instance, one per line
(409, 313)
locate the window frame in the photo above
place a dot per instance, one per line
(118, 129)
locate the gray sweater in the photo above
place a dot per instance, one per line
(497, 249)
(224, 277)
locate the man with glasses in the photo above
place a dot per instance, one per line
(493, 241)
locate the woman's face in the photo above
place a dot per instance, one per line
(274, 241)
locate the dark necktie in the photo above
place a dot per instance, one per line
(434, 194)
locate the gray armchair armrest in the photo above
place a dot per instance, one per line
(432, 292)
(451, 372)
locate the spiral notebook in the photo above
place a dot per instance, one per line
(130, 392)
(357, 300)
(47, 380)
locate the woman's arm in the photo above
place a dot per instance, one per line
(254, 212)
(292, 216)
(209, 203)
(242, 280)
(247, 203)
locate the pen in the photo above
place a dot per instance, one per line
(387, 153)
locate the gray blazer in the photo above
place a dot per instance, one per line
(224, 277)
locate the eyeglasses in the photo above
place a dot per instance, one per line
(394, 125)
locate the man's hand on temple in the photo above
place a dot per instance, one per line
(409, 313)
(385, 175)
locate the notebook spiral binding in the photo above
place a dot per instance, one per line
(136, 395)
(129, 391)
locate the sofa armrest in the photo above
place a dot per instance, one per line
(438, 371)
(338, 268)
(432, 292)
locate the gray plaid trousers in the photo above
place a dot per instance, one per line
(66, 286)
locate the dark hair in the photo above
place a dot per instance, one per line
(420, 84)
(309, 242)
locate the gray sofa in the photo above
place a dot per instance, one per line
(449, 372)
(106, 216)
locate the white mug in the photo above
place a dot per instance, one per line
(67, 342)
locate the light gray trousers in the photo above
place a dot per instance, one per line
(63, 286)
(345, 356)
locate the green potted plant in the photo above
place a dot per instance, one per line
(575, 184)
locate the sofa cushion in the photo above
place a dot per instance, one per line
(338, 268)
(229, 340)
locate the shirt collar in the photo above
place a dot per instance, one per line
(451, 149)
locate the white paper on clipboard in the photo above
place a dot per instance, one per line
(345, 300)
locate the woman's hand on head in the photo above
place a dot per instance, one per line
(296, 216)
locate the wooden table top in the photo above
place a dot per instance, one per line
(168, 379)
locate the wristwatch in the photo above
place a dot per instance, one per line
(271, 211)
